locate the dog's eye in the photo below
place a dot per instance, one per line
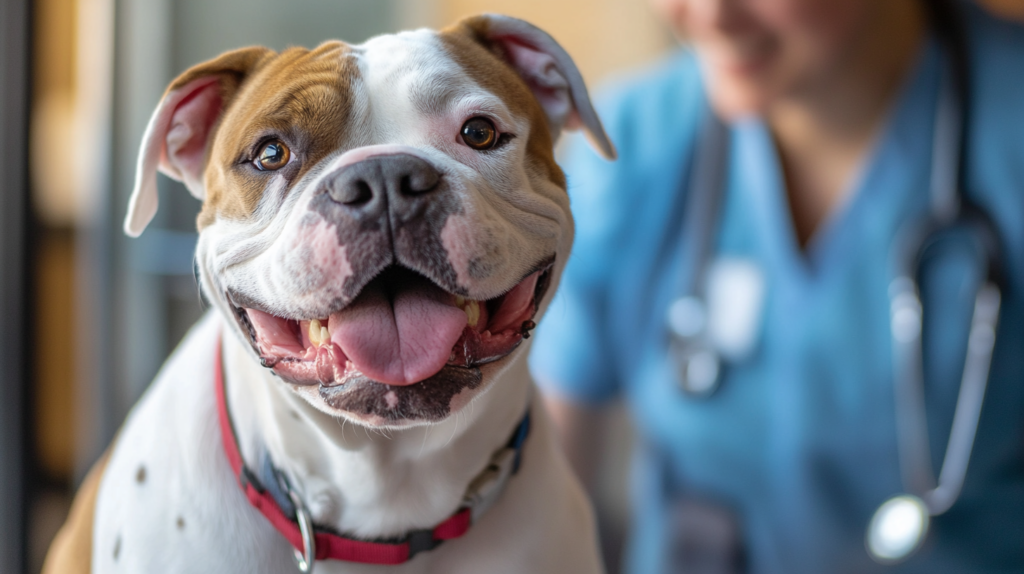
(272, 155)
(479, 134)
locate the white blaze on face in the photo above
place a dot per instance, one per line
(507, 221)
(396, 72)
(410, 94)
(288, 259)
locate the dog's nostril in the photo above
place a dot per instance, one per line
(353, 193)
(420, 181)
(361, 193)
(366, 185)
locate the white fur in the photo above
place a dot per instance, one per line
(189, 514)
(363, 480)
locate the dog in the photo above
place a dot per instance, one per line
(382, 225)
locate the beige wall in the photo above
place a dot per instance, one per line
(603, 36)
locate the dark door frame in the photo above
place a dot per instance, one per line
(15, 281)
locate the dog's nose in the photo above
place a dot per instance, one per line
(371, 184)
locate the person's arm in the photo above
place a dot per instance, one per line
(597, 439)
(580, 429)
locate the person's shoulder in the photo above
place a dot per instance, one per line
(996, 144)
(637, 103)
(997, 55)
(990, 30)
(996, 51)
(650, 114)
(997, 77)
(673, 75)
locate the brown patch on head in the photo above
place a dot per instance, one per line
(140, 475)
(231, 69)
(302, 97)
(484, 61)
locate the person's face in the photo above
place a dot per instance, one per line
(754, 52)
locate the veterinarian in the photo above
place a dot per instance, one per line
(804, 275)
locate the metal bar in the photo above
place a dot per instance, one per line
(15, 54)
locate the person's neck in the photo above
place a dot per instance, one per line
(824, 130)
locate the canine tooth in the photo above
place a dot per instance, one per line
(325, 336)
(472, 310)
(315, 332)
(460, 300)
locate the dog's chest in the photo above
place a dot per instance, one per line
(170, 503)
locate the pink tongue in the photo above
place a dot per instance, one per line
(399, 339)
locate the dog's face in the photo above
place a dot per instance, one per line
(382, 223)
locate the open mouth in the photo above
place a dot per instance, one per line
(401, 329)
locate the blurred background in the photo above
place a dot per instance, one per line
(87, 315)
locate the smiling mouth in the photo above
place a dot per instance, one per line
(400, 330)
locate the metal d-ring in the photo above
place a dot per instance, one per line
(304, 560)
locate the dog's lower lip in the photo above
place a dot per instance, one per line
(291, 357)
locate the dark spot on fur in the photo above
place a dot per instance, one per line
(117, 547)
(295, 415)
(140, 475)
(180, 523)
(490, 256)
(428, 400)
(480, 268)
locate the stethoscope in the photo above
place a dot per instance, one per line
(900, 524)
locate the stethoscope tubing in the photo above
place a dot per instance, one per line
(949, 209)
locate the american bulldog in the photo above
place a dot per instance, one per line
(382, 226)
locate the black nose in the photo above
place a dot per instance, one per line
(373, 182)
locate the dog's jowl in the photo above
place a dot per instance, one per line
(382, 226)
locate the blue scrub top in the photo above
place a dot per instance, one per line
(800, 440)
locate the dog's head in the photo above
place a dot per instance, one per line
(382, 223)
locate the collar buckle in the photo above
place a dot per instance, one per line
(421, 541)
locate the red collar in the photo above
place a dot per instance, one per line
(334, 546)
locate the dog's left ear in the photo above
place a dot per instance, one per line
(547, 69)
(180, 130)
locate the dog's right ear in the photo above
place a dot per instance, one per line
(180, 130)
(547, 69)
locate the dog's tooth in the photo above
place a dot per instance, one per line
(460, 300)
(325, 336)
(472, 310)
(315, 332)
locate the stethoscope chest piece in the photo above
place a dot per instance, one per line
(897, 529)
(715, 325)
(697, 363)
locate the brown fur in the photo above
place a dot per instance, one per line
(71, 549)
(468, 45)
(232, 69)
(301, 96)
(304, 98)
